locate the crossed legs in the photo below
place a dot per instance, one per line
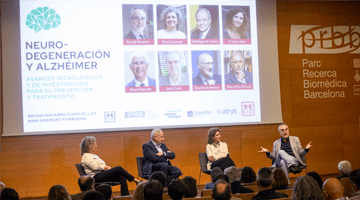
(171, 172)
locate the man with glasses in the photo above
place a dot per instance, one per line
(138, 24)
(174, 65)
(238, 74)
(205, 62)
(203, 28)
(139, 65)
(287, 152)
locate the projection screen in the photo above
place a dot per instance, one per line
(74, 66)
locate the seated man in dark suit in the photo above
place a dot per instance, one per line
(139, 65)
(238, 74)
(86, 184)
(264, 182)
(205, 63)
(157, 157)
(203, 29)
(138, 24)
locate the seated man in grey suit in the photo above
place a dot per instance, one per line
(287, 152)
(157, 157)
(174, 66)
(203, 28)
(139, 65)
(138, 24)
(238, 74)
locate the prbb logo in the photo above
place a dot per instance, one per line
(42, 19)
(310, 39)
(134, 114)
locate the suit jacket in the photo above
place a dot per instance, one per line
(295, 146)
(165, 80)
(149, 152)
(230, 78)
(212, 34)
(130, 35)
(198, 81)
(152, 82)
(269, 194)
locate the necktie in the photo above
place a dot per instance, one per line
(142, 36)
(142, 85)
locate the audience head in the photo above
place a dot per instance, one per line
(344, 167)
(333, 189)
(58, 192)
(2, 186)
(306, 188)
(247, 175)
(106, 190)
(153, 190)
(222, 177)
(159, 176)
(214, 172)
(280, 179)
(233, 173)
(87, 144)
(139, 191)
(86, 183)
(355, 178)
(94, 195)
(316, 177)
(191, 190)
(264, 177)
(221, 190)
(176, 189)
(211, 134)
(9, 194)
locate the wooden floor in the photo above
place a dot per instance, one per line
(201, 187)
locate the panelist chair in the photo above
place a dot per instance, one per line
(81, 171)
(140, 163)
(203, 168)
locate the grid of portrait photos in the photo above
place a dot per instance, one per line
(182, 47)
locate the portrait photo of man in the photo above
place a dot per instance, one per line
(173, 70)
(138, 65)
(138, 21)
(238, 67)
(204, 22)
(206, 68)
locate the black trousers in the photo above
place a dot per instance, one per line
(116, 174)
(223, 163)
(171, 172)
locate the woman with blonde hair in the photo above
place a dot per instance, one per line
(95, 167)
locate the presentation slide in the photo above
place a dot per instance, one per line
(71, 66)
(114, 65)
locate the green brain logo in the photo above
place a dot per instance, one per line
(42, 19)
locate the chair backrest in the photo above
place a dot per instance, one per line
(206, 193)
(140, 163)
(287, 191)
(127, 197)
(80, 169)
(203, 161)
(166, 196)
(254, 187)
(346, 183)
(246, 196)
(199, 198)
